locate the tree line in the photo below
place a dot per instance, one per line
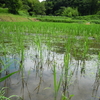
(53, 7)
(31, 6)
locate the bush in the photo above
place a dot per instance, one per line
(3, 10)
(98, 13)
(13, 6)
(23, 13)
(89, 17)
(69, 12)
(95, 21)
(60, 20)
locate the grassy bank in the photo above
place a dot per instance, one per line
(78, 19)
(24, 17)
(7, 17)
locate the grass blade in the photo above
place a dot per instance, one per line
(2, 79)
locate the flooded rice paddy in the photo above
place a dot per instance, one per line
(51, 67)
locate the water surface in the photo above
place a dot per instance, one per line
(36, 62)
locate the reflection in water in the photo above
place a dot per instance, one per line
(39, 84)
(97, 80)
(83, 67)
(81, 73)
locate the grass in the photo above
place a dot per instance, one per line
(56, 84)
(15, 18)
(51, 28)
(59, 19)
(77, 19)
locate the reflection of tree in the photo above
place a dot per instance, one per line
(23, 82)
(83, 67)
(97, 78)
(81, 48)
(39, 84)
(96, 83)
(0, 66)
(39, 69)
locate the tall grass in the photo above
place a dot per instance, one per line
(50, 28)
(57, 84)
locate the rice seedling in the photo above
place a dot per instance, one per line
(56, 84)
(3, 97)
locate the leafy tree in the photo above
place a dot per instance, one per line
(25, 5)
(49, 7)
(2, 3)
(35, 7)
(13, 6)
(86, 7)
(52, 7)
(39, 8)
(59, 11)
(94, 6)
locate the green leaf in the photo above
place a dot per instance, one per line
(47, 88)
(2, 79)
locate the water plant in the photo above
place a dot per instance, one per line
(57, 84)
(3, 97)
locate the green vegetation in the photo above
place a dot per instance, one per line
(59, 19)
(51, 7)
(25, 24)
(32, 7)
(84, 7)
(15, 18)
(2, 95)
(4, 10)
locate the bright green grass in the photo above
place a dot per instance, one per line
(77, 19)
(51, 28)
(7, 17)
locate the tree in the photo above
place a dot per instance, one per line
(36, 7)
(2, 3)
(49, 7)
(39, 8)
(86, 7)
(94, 6)
(25, 5)
(13, 6)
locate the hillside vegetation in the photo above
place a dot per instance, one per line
(15, 18)
(25, 17)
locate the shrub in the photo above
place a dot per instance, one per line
(95, 21)
(23, 13)
(3, 10)
(98, 13)
(69, 12)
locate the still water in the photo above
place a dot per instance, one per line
(35, 81)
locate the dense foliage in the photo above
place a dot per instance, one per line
(85, 7)
(53, 7)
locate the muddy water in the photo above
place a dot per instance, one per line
(35, 80)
